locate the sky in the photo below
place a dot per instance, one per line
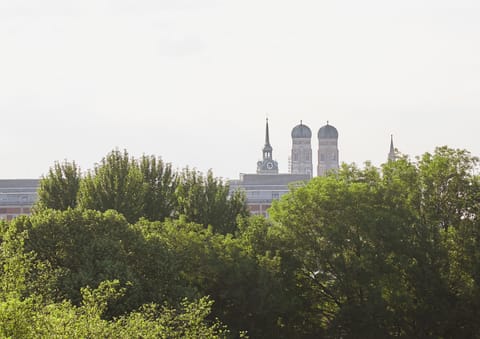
(192, 81)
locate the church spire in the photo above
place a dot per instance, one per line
(267, 149)
(267, 165)
(267, 134)
(391, 154)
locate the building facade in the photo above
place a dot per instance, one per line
(17, 196)
(301, 156)
(260, 190)
(267, 184)
(327, 150)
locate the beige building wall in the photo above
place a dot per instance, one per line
(301, 158)
(327, 156)
(327, 150)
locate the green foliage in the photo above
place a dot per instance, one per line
(364, 252)
(26, 314)
(15, 263)
(384, 252)
(86, 247)
(30, 319)
(161, 182)
(143, 188)
(206, 200)
(152, 321)
(116, 183)
(59, 188)
(254, 288)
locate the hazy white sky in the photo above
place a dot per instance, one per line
(192, 81)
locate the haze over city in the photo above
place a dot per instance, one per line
(192, 81)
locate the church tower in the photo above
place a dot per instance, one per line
(301, 158)
(267, 165)
(391, 154)
(327, 149)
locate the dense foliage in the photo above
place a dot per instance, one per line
(393, 252)
(362, 253)
(143, 188)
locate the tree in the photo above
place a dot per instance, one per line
(281, 303)
(89, 246)
(391, 253)
(116, 183)
(206, 200)
(253, 286)
(160, 185)
(59, 188)
(145, 187)
(84, 247)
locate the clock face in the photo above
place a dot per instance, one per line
(269, 165)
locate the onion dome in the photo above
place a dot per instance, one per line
(301, 132)
(327, 132)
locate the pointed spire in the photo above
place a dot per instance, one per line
(267, 135)
(267, 149)
(391, 154)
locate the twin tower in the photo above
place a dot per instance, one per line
(301, 158)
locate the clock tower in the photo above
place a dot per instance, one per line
(267, 165)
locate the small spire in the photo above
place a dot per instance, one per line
(267, 149)
(267, 134)
(391, 154)
(301, 123)
(327, 122)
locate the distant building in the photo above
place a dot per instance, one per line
(261, 190)
(17, 197)
(267, 184)
(301, 158)
(327, 150)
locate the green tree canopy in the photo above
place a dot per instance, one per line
(143, 188)
(364, 252)
(116, 183)
(391, 252)
(59, 188)
(206, 200)
(161, 182)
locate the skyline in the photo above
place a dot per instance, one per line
(192, 81)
